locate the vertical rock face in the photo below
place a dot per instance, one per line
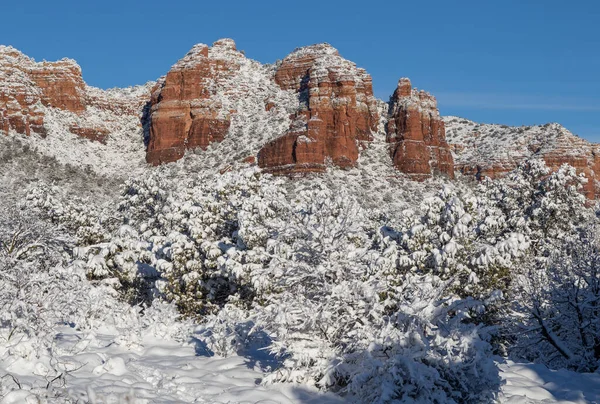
(417, 135)
(19, 96)
(337, 110)
(61, 84)
(185, 112)
(27, 86)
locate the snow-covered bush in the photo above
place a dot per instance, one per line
(558, 320)
(30, 253)
(182, 241)
(75, 216)
(462, 238)
(550, 211)
(545, 206)
(343, 317)
(423, 350)
(376, 304)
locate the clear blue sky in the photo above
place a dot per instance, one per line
(511, 62)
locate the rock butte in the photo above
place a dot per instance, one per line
(335, 118)
(337, 111)
(416, 133)
(184, 113)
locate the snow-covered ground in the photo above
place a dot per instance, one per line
(530, 383)
(100, 368)
(157, 371)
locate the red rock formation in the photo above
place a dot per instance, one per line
(184, 111)
(491, 151)
(337, 110)
(93, 134)
(417, 134)
(61, 84)
(19, 95)
(26, 87)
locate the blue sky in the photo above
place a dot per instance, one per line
(512, 62)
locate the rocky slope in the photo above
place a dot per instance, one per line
(80, 124)
(486, 150)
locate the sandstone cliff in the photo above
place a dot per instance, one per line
(337, 111)
(417, 135)
(185, 112)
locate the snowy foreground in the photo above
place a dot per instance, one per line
(100, 370)
(165, 371)
(228, 288)
(530, 383)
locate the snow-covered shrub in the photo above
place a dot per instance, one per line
(423, 350)
(230, 331)
(343, 317)
(559, 309)
(550, 211)
(72, 214)
(182, 242)
(462, 238)
(545, 206)
(31, 253)
(201, 258)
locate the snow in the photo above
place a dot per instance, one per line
(321, 49)
(360, 279)
(157, 371)
(486, 145)
(165, 371)
(192, 58)
(527, 383)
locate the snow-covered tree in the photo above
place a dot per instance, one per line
(379, 305)
(558, 317)
(342, 316)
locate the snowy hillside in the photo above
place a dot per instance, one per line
(502, 147)
(55, 94)
(122, 154)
